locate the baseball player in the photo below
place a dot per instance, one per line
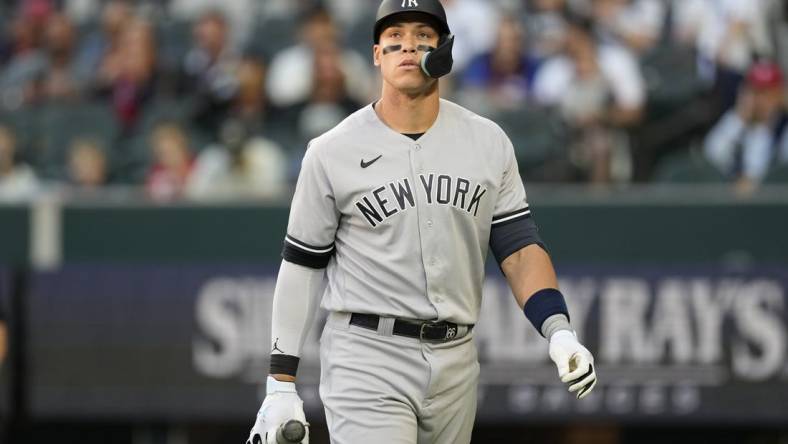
(393, 214)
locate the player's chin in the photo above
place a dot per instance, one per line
(411, 81)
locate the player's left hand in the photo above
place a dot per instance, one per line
(575, 363)
(281, 405)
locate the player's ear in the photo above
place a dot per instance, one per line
(376, 54)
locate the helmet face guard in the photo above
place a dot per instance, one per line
(436, 62)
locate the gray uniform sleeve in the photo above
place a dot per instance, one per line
(313, 219)
(513, 227)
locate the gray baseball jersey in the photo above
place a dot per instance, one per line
(403, 226)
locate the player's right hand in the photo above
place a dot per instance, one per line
(281, 404)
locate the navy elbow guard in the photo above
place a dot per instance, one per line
(543, 304)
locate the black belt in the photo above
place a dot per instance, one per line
(437, 331)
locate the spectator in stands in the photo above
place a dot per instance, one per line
(473, 23)
(250, 103)
(6, 42)
(17, 180)
(636, 24)
(244, 165)
(599, 90)
(280, 8)
(61, 79)
(43, 67)
(291, 76)
(27, 60)
(173, 162)
(87, 165)
(238, 15)
(351, 12)
(752, 137)
(329, 102)
(732, 34)
(103, 45)
(501, 78)
(210, 72)
(546, 27)
(127, 75)
(686, 20)
(779, 15)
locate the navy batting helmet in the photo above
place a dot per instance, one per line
(438, 61)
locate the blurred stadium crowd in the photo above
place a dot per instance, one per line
(213, 99)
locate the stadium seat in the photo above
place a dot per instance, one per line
(164, 109)
(178, 110)
(271, 36)
(23, 123)
(174, 37)
(359, 37)
(777, 175)
(59, 124)
(537, 135)
(133, 154)
(687, 166)
(132, 158)
(671, 78)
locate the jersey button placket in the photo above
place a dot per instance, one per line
(417, 159)
(427, 221)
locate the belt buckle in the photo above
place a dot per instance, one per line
(449, 331)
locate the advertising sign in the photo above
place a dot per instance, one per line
(192, 342)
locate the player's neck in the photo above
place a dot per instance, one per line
(408, 114)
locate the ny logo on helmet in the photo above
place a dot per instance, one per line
(410, 3)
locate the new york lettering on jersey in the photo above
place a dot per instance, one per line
(441, 189)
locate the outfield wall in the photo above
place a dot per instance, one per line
(149, 313)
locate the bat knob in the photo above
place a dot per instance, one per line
(293, 431)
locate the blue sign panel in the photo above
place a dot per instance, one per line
(192, 342)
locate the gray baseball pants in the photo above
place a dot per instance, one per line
(382, 388)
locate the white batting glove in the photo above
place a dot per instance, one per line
(281, 404)
(575, 363)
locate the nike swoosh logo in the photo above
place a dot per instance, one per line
(366, 164)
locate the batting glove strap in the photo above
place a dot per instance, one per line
(272, 385)
(564, 336)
